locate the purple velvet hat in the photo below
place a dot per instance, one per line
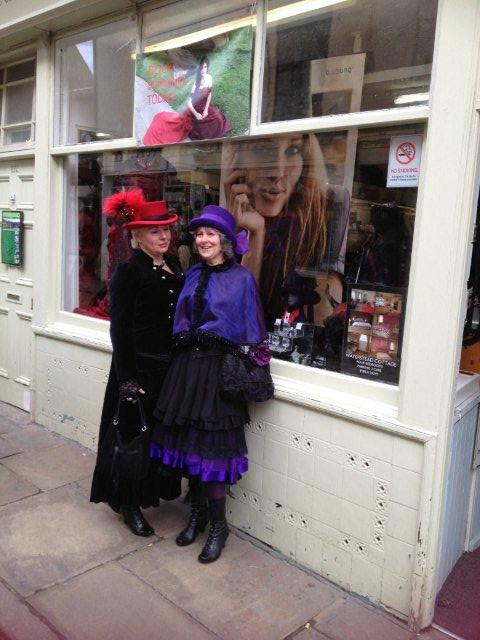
(222, 220)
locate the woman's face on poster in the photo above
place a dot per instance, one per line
(273, 169)
(203, 69)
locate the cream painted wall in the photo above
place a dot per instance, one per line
(339, 498)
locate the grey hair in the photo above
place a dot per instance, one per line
(225, 243)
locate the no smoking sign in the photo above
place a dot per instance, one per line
(404, 161)
(405, 152)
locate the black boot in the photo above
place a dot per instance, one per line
(135, 520)
(114, 507)
(218, 533)
(198, 516)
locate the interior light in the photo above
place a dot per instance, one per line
(411, 98)
(303, 6)
(273, 15)
(102, 135)
(203, 34)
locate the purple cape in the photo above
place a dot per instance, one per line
(232, 307)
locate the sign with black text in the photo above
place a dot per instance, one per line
(373, 331)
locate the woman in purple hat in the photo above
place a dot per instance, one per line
(199, 431)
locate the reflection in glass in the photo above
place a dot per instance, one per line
(16, 135)
(326, 58)
(316, 226)
(19, 100)
(95, 89)
(20, 71)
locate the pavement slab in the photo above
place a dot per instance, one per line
(53, 536)
(168, 519)
(14, 413)
(19, 621)
(350, 619)
(309, 634)
(7, 425)
(52, 467)
(32, 436)
(7, 448)
(13, 488)
(247, 594)
(112, 604)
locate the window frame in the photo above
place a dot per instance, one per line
(4, 65)
(332, 392)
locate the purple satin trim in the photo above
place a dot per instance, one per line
(242, 245)
(226, 470)
(260, 354)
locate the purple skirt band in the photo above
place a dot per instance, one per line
(227, 470)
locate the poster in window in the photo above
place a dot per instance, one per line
(373, 333)
(199, 91)
(12, 237)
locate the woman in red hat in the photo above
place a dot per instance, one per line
(143, 295)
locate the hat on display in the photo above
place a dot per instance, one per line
(303, 286)
(222, 220)
(131, 208)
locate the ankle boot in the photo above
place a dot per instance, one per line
(136, 522)
(198, 516)
(218, 533)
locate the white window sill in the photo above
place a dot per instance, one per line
(361, 401)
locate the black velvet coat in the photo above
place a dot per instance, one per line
(142, 307)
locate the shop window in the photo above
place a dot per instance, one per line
(94, 84)
(330, 241)
(341, 56)
(17, 91)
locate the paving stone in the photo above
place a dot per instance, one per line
(15, 414)
(7, 448)
(112, 604)
(52, 467)
(168, 519)
(349, 619)
(32, 436)
(309, 634)
(7, 425)
(431, 634)
(19, 621)
(56, 535)
(246, 594)
(13, 488)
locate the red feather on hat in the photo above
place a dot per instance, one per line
(125, 205)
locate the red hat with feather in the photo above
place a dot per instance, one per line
(131, 208)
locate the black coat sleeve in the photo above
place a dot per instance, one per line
(123, 300)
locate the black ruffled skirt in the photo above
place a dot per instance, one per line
(198, 431)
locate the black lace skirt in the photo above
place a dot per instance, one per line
(197, 430)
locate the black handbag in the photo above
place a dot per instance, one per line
(243, 381)
(131, 458)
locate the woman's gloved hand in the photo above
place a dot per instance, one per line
(129, 390)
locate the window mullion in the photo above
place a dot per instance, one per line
(258, 62)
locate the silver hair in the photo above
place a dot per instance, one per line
(225, 243)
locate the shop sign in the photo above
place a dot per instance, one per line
(198, 91)
(404, 161)
(373, 333)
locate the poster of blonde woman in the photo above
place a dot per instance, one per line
(196, 92)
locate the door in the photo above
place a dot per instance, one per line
(16, 288)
